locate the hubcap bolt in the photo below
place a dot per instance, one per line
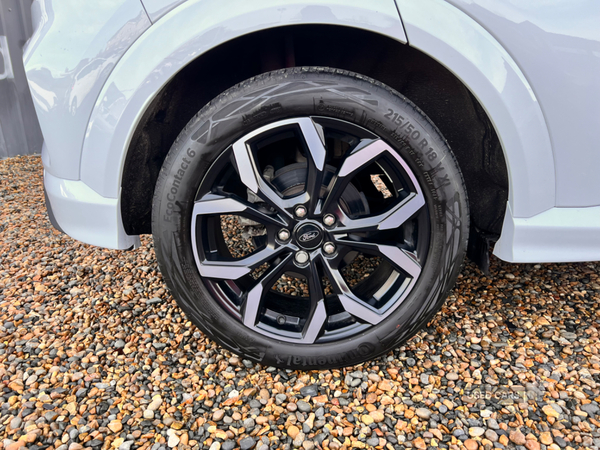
(301, 257)
(300, 211)
(283, 235)
(329, 248)
(328, 219)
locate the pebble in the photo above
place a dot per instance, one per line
(115, 426)
(517, 437)
(173, 441)
(310, 391)
(476, 431)
(493, 424)
(293, 431)
(228, 445)
(471, 444)
(303, 406)
(155, 403)
(218, 415)
(491, 435)
(247, 443)
(308, 445)
(94, 352)
(299, 439)
(373, 442)
(423, 413)
(15, 423)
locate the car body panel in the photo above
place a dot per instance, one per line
(68, 59)
(158, 8)
(475, 57)
(556, 43)
(193, 28)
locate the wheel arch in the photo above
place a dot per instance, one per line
(459, 116)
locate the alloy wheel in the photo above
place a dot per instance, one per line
(322, 204)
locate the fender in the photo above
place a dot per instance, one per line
(462, 45)
(180, 36)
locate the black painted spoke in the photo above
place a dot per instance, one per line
(255, 296)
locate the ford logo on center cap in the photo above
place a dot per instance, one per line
(308, 236)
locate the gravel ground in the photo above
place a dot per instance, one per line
(94, 353)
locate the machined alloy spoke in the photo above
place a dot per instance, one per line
(367, 150)
(313, 137)
(255, 296)
(365, 153)
(395, 255)
(388, 220)
(217, 204)
(318, 314)
(233, 270)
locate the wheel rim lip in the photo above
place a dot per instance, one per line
(316, 253)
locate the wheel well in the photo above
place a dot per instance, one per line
(433, 88)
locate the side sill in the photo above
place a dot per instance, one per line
(556, 235)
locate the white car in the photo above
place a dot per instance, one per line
(313, 172)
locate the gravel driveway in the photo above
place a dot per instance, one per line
(95, 353)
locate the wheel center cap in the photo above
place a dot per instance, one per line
(309, 236)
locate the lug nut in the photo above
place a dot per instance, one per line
(301, 257)
(300, 211)
(283, 235)
(329, 248)
(328, 219)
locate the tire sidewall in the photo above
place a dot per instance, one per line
(297, 93)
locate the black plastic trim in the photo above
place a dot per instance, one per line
(51, 214)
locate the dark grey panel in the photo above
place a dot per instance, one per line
(19, 130)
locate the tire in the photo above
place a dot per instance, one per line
(353, 153)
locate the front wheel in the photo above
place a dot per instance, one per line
(310, 218)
